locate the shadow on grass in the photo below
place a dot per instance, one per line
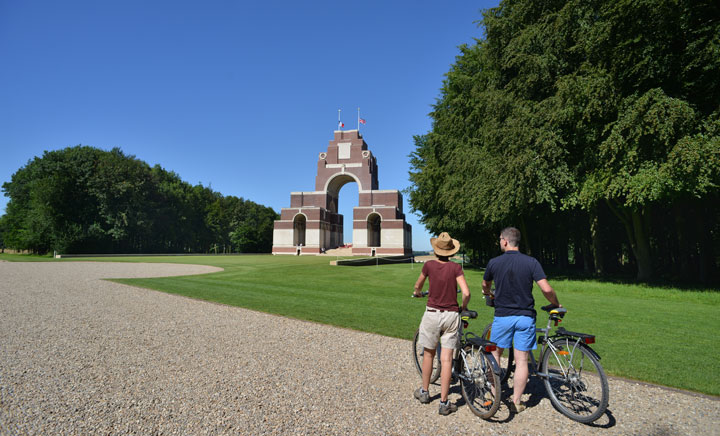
(629, 279)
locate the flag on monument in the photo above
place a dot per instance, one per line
(341, 124)
(362, 121)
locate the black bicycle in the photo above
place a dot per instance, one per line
(571, 372)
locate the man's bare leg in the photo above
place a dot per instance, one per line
(521, 374)
(428, 357)
(497, 354)
(446, 355)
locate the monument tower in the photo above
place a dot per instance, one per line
(312, 224)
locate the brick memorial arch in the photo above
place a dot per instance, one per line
(312, 224)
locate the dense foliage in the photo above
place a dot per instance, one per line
(86, 200)
(593, 126)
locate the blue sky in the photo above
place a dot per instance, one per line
(229, 94)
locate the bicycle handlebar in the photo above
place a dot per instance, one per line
(425, 293)
(469, 313)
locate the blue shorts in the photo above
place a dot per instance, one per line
(518, 331)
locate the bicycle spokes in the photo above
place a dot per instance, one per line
(480, 386)
(575, 380)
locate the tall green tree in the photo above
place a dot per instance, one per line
(568, 109)
(2, 233)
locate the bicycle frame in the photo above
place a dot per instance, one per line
(475, 342)
(575, 340)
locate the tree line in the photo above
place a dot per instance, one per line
(84, 200)
(593, 127)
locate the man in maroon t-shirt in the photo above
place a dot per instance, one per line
(441, 320)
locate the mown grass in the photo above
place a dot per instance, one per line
(25, 257)
(659, 335)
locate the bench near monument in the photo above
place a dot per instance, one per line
(312, 224)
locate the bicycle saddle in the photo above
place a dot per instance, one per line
(552, 309)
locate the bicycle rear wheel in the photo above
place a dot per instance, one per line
(479, 384)
(506, 360)
(417, 358)
(575, 381)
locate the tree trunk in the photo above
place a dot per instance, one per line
(641, 247)
(636, 228)
(685, 254)
(597, 252)
(525, 237)
(586, 256)
(562, 251)
(705, 255)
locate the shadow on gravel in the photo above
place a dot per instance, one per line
(536, 390)
(611, 422)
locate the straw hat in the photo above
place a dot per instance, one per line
(444, 245)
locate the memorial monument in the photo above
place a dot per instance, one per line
(312, 224)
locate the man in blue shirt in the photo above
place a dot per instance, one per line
(514, 323)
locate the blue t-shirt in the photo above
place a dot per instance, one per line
(514, 274)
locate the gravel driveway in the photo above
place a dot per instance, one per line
(79, 355)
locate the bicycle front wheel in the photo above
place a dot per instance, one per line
(479, 385)
(506, 360)
(417, 357)
(575, 380)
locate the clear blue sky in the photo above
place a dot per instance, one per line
(227, 93)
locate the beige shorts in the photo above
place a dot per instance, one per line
(442, 326)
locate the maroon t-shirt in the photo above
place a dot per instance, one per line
(443, 284)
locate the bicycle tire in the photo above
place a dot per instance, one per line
(506, 364)
(417, 358)
(479, 384)
(575, 381)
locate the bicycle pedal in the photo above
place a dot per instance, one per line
(487, 403)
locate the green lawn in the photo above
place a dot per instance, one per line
(653, 334)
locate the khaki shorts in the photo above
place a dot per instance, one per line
(441, 326)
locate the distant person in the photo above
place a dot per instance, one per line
(441, 320)
(514, 323)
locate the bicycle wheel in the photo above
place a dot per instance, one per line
(506, 360)
(479, 385)
(417, 358)
(575, 382)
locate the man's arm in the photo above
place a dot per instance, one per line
(548, 292)
(487, 287)
(465, 291)
(419, 285)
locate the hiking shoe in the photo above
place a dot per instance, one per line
(517, 407)
(446, 409)
(423, 397)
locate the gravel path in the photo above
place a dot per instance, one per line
(79, 355)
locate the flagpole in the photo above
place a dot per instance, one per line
(358, 120)
(339, 119)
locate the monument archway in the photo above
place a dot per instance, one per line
(378, 221)
(373, 230)
(299, 228)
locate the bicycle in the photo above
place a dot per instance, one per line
(571, 372)
(473, 366)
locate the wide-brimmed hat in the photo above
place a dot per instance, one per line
(444, 245)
